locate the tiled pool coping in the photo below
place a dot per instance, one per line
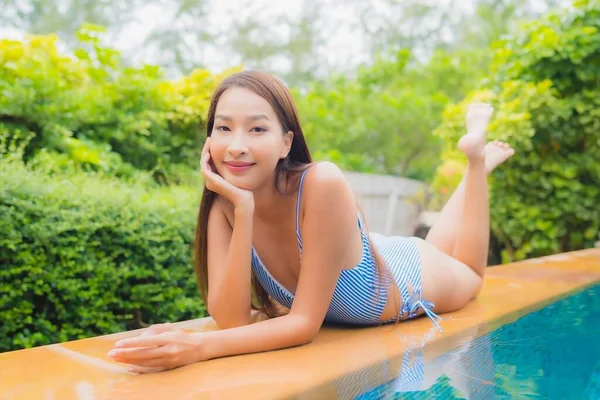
(80, 369)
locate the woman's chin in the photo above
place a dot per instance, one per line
(239, 182)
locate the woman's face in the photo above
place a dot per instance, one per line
(247, 139)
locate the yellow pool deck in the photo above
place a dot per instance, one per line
(326, 368)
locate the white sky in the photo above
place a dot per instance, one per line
(223, 12)
(346, 43)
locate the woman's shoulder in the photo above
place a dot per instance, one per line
(325, 178)
(324, 172)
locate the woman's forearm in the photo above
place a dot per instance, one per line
(175, 348)
(277, 333)
(230, 297)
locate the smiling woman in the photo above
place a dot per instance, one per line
(273, 222)
(245, 120)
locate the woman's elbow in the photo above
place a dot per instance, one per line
(306, 329)
(226, 319)
(231, 323)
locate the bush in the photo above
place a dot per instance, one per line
(546, 93)
(100, 113)
(380, 121)
(84, 255)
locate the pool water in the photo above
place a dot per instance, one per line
(553, 353)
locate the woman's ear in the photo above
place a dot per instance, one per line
(288, 138)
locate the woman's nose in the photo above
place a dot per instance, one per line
(237, 147)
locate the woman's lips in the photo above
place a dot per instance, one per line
(238, 166)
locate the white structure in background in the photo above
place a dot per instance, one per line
(391, 205)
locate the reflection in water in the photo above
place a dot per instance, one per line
(553, 353)
(466, 372)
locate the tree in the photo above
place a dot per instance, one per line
(381, 120)
(65, 17)
(100, 113)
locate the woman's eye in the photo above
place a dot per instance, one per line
(222, 128)
(258, 129)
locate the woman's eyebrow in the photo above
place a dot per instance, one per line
(223, 117)
(257, 117)
(252, 117)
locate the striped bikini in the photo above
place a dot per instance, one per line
(358, 298)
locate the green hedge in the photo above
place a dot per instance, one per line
(85, 255)
(101, 113)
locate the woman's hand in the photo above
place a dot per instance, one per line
(240, 198)
(160, 348)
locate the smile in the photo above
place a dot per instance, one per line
(237, 166)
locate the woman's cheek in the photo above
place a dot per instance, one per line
(216, 156)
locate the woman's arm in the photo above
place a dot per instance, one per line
(228, 249)
(229, 270)
(327, 230)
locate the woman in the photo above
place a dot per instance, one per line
(272, 221)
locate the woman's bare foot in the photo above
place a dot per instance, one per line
(473, 142)
(496, 153)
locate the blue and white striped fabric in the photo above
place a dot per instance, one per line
(359, 298)
(412, 374)
(402, 257)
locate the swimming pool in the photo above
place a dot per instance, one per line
(552, 353)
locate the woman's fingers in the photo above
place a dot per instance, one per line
(206, 170)
(140, 356)
(161, 362)
(206, 148)
(204, 165)
(211, 179)
(205, 156)
(159, 328)
(209, 175)
(160, 339)
(204, 159)
(144, 370)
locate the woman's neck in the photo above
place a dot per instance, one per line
(270, 204)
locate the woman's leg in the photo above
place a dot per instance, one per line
(451, 282)
(473, 230)
(446, 282)
(443, 232)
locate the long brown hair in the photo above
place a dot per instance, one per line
(297, 160)
(280, 99)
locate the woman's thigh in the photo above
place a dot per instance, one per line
(446, 282)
